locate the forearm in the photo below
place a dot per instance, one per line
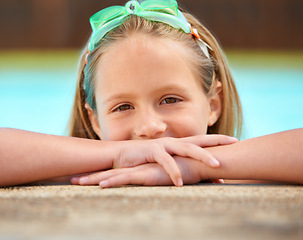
(27, 156)
(277, 157)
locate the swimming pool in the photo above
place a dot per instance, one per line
(37, 89)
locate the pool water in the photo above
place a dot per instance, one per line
(37, 90)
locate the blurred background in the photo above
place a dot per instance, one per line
(41, 40)
(237, 23)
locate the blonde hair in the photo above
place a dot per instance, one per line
(211, 70)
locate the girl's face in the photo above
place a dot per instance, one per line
(146, 89)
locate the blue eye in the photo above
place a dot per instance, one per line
(170, 100)
(123, 107)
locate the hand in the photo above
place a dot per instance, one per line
(150, 174)
(137, 152)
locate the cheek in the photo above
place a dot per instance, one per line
(188, 125)
(114, 130)
(193, 120)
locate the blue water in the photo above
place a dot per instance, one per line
(41, 100)
(36, 100)
(272, 99)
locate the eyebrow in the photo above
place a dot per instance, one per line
(171, 88)
(117, 97)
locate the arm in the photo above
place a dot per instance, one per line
(27, 157)
(276, 157)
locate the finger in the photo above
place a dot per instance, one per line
(193, 151)
(75, 180)
(147, 175)
(95, 178)
(123, 179)
(170, 166)
(210, 140)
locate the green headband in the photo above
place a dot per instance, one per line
(165, 11)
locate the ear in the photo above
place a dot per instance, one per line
(93, 118)
(215, 104)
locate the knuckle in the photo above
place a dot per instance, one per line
(168, 139)
(190, 147)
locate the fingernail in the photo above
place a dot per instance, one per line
(83, 180)
(180, 182)
(103, 184)
(234, 139)
(75, 179)
(214, 162)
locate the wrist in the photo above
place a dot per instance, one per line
(94, 155)
(110, 151)
(193, 171)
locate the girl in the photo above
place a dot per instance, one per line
(153, 85)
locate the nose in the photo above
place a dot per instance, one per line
(149, 125)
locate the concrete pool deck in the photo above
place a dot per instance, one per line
(208, 211)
